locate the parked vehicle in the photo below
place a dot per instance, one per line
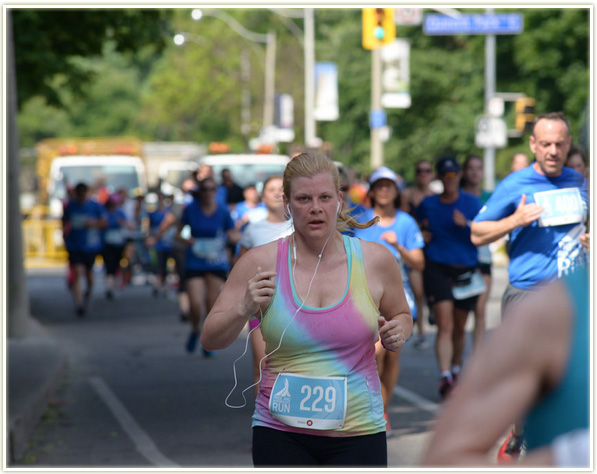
(246, 168)
(107, 163)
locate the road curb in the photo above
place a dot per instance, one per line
(36, 367)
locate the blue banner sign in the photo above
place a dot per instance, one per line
(377, 118)
(474, 24)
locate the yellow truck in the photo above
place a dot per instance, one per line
(108, 162)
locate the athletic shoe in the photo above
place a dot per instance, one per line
(208, 354)
(388, 427)
(192, 342)
(421, 343)
(510, 449)
(109, 295)
(80, 311)
(445, 387)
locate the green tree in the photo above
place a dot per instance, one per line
(47, 40)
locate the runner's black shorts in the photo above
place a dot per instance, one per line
(438, 279)
(275, 448)
(223, 274)
(77, 257)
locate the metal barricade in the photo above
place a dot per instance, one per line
(43, 242)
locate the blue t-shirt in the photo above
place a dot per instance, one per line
(256, 213)
(155, 219)
(450, 243)
(538, 254)
(115, 233)
(407, 234)
(81, 238)
(209, 249)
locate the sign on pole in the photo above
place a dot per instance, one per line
(395, 79)
(474, 24)
(491, 132)
(326, 91)
(409, 16)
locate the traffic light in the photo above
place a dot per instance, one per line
(379, 27)
(525, 114)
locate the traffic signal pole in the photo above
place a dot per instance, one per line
(377, 158)
(379, 29)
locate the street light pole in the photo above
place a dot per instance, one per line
(269, 40)
(490, 68)
(270, 77)
(309, 47)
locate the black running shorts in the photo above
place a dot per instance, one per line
(438, 280)
(275, 448)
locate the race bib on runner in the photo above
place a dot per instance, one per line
(470, 284)
(561, 206)
(208, 248)
(114, 237)
(77, 221)
(302, 401)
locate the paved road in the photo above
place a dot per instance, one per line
(134, 398)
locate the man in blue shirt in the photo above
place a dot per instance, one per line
(83, 221)
(544, 208)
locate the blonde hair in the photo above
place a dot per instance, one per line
(307, 165)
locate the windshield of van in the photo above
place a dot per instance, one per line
(113, 177)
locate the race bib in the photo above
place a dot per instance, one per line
(317, 403)
(561, 206)
(114, 237)
(484, 255)
(468, 284)
(77, 221)
(208, 248)
(94, 238)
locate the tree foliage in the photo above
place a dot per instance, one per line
(135, 80)
(48, 41)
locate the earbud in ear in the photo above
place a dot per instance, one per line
(288, 209)
(339, 206)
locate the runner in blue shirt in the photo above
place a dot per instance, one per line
(451, 279)
(355, 210)
(114, 240)
(399, 232)
(207, 261)
(472, 178)
(544, 208)
(82, 221)
(163, 245)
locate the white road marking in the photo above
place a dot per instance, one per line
(142, 441)
(416, 400)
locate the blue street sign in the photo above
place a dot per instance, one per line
(474, 24)
(377, 118)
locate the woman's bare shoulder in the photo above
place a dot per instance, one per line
(264, 256)
(375, 253)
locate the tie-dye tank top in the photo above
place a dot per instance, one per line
(335, 341)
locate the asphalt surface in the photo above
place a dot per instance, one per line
(130, 396)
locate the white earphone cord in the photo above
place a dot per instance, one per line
(283, 332)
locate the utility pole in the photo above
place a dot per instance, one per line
(309, 52)
(245, 114)
(270, 79)
(489, 154)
